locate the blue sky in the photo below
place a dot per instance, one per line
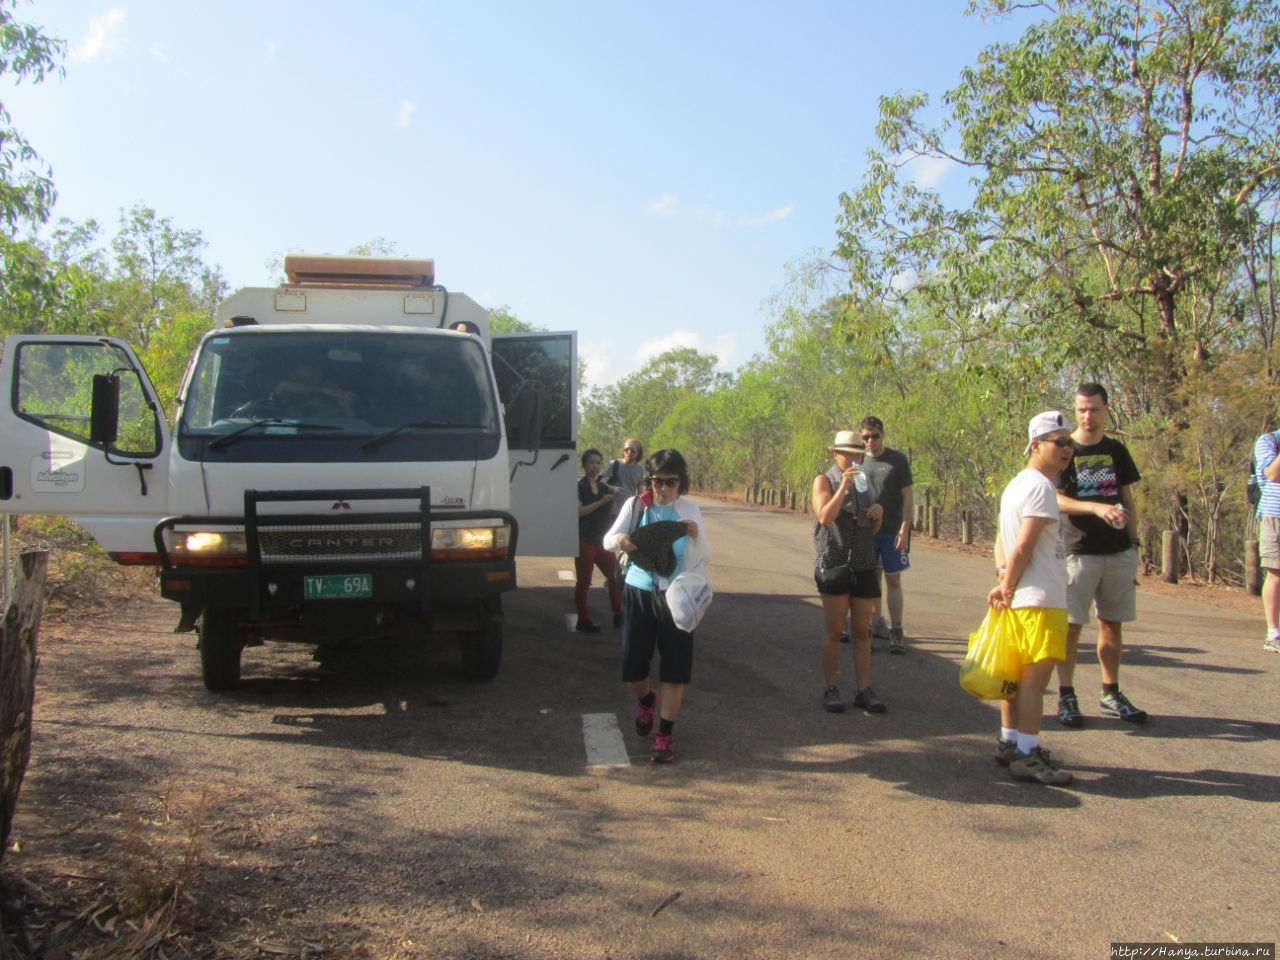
(640, 173)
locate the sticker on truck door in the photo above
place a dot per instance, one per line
(58, 471)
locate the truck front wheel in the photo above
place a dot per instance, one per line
(219, 649)
(482, 649)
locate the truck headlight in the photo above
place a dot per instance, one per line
(470, 543)
(211, 547)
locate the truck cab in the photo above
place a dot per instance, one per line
(353, 455)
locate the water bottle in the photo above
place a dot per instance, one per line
(860, 482)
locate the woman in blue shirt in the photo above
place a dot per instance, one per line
(646, 622)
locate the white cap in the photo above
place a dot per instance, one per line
(1043, 424)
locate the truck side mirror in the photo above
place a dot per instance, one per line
(104, 418)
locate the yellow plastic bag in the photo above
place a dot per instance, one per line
(991, 667)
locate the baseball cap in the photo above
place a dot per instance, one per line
(1043, 424)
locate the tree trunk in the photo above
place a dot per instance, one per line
(18, 681)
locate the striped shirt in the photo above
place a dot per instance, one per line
(1264, 451)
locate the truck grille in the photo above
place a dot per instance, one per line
(340, 542)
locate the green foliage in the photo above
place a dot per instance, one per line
(639, 405)
(1123, 161)
(27, 193)
(502, 320)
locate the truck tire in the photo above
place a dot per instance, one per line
(482, 649)
(219, 649)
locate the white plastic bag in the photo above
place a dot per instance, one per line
(688, 598)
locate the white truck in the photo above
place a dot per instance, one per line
(353, 456)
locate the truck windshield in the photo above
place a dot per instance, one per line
(260, 385)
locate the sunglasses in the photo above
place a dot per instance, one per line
(871, 436)
(665, 481)
(1059, 442)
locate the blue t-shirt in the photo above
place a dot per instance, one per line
(1264, 451)
(637, 576)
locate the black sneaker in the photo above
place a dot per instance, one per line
(868, 701)
(587, 626)
(844, 636)
(1118, 705)
(1069, 714)
(831, 701)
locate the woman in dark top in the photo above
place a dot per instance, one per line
(595, 504)
(846, 520)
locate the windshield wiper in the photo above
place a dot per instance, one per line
(227, 438)
(382, 438)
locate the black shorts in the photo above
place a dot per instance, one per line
(644, 631)
(863, 584)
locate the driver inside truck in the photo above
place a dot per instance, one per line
(306, 392)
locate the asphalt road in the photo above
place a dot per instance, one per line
(468, 819)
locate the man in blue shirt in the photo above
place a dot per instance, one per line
(1267, 474)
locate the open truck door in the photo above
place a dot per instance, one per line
(82, 435)
(537, 384)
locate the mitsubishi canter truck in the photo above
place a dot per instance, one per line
(353, 456)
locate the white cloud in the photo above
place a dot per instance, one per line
(928, 172)
(725, 349)
(652, 348)
(773, 216)
(667, 206)
(158, 51)
(104, 39)
(710, 216)
(603, 368)
(903, 280)
(714, 217)
(405, 116)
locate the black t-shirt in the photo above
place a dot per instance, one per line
(1096, 474)
(593, 527)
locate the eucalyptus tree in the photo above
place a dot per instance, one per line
(28, 282)
(1123, 167)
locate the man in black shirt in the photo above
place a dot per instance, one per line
(1100, 536)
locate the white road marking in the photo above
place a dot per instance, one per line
(567, 575)
(605, 747)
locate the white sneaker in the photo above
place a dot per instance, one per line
(879, 628)
(1271, 645)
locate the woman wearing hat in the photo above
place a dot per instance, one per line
(845, 568)
(647, 625)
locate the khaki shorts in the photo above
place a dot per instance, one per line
(1269, 542)
(1039, 633)
(1108, 581)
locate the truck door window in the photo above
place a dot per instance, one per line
(54, 389)
(535, 382)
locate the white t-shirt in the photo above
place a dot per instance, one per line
(1044, 582)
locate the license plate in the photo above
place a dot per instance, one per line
(340, 586)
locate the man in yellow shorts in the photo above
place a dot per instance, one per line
(1033, 589)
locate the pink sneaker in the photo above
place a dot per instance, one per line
(664, 749)
(645, 715)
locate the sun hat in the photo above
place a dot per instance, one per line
(1043, 424)
(654, 545)
(848, 441)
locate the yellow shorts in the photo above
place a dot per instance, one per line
(1038, 633)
